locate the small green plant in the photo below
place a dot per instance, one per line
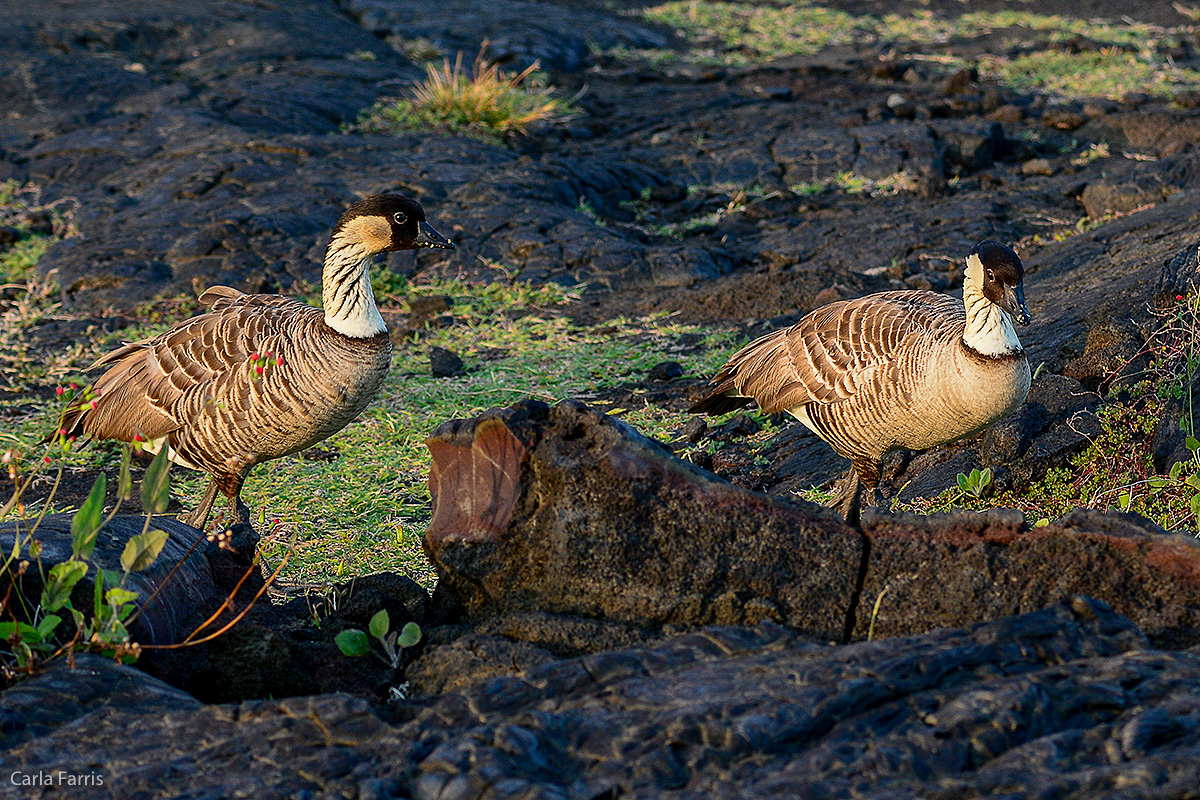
(355, 644)
(484, 102)
(975, 484)
(103, 627)
(33, 632)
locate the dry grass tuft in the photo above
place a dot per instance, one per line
(484, 101)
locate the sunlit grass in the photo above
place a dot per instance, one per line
(482, 101)
(740, 33)
(1111, 73)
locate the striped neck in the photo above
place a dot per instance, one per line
(989, 330)
(346, 291)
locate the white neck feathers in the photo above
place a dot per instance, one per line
(346, 292)
(990, 331)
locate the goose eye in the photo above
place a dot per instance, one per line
(400, 218)
(991, 276)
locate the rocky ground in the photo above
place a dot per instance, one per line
(205, 145)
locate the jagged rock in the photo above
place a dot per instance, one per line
(967, 148)
(1114, 352)
(1069, 701)
(164, 620)
(1153, 132)
(1107, 197)
(1064, 119)
(568, 511)
(535, 530)
(69, 690)
(444, 363)
(890, 148)
(1180, 276)
(813, 156)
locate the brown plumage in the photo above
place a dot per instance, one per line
(909, 369)
(196, 387)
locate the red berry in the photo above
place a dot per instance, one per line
(279, 361)
(259, 370)
(254, 356)
(92, 404)
(59, 391)
(74, 385)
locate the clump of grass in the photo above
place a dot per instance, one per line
(483, 101)
(851, 183)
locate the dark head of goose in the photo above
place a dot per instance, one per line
(389, 222)
(1002, 277)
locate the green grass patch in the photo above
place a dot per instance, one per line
(1128, 58)
(751, 32)
(17, 262)
(1109, 73)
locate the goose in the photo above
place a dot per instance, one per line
(258, 376)
(894, 370)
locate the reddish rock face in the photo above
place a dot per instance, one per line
(566, 510)
(477, 484)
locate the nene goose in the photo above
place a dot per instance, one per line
(910, 369)
(258, 376)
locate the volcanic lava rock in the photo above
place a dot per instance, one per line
(567, 511)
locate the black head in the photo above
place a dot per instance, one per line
(389, 222)
(1001, 277)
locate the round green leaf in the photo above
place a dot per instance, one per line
(380, 624)
(353, 643)
(410, 634)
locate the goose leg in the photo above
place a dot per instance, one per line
(242, 515)
(848, 499)
(199, 517)
(232, 489)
